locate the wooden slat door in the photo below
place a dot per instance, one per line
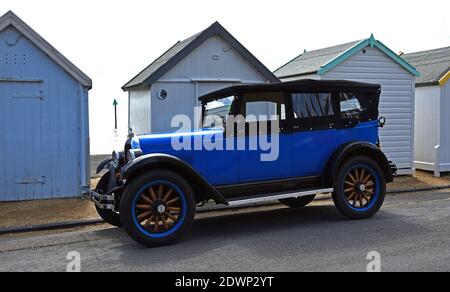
(22, 144)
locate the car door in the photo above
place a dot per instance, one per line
(267, 128)
(314, 133)
(219, 165)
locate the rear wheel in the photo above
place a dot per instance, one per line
(360, 188)
(108, 216)
(157, 208)
(298, 202)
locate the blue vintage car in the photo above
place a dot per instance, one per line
(291, 141)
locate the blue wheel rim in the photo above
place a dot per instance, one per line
(159, 209)
(361, 188)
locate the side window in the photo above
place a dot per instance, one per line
(216, 112)
(264, 107)
(350, 106)
(312, 105)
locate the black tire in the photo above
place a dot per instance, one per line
(298, 202)
(144, 206)
(108, 216)
(360, 188)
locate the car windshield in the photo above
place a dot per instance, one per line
(216, 112)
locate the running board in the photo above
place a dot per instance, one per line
(275, 197)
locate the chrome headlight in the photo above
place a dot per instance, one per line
(133, 154)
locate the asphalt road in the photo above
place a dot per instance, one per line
(411, 233)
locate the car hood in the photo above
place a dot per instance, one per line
(162, 143)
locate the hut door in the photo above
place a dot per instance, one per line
(22, 148)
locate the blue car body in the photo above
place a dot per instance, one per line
(302, 154)
(320, 125)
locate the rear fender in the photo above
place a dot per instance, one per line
(356, 149)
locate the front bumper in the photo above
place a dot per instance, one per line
(104, 202)
(106, 199)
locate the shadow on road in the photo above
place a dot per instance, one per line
(269, 235)
(235, 225)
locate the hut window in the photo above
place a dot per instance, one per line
(162, 95)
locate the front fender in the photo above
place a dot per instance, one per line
(354, 149)
(112, 185)
(103, 165)
(164, 161)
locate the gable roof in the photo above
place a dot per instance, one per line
(11, 19)
(309, 62)
(183, 48)
(434, 66)
(323, 60)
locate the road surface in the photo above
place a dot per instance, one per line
(411, 233)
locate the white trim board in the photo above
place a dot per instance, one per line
(406, 171)
(428, 166)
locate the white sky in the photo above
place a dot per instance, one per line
(112, 41)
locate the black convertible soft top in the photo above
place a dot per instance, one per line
(307, 85)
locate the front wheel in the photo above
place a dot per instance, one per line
(360, 188)
(157, 208)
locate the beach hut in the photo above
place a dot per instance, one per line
(432, 123)
(44, 141)
(210, 60)
(369, 60)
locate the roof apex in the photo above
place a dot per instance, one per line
(11, 19)
(323, 60)
(180, 50)
(372, 40)
(374, 43)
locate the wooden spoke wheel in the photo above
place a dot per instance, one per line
(360, 187)
(159, 208)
